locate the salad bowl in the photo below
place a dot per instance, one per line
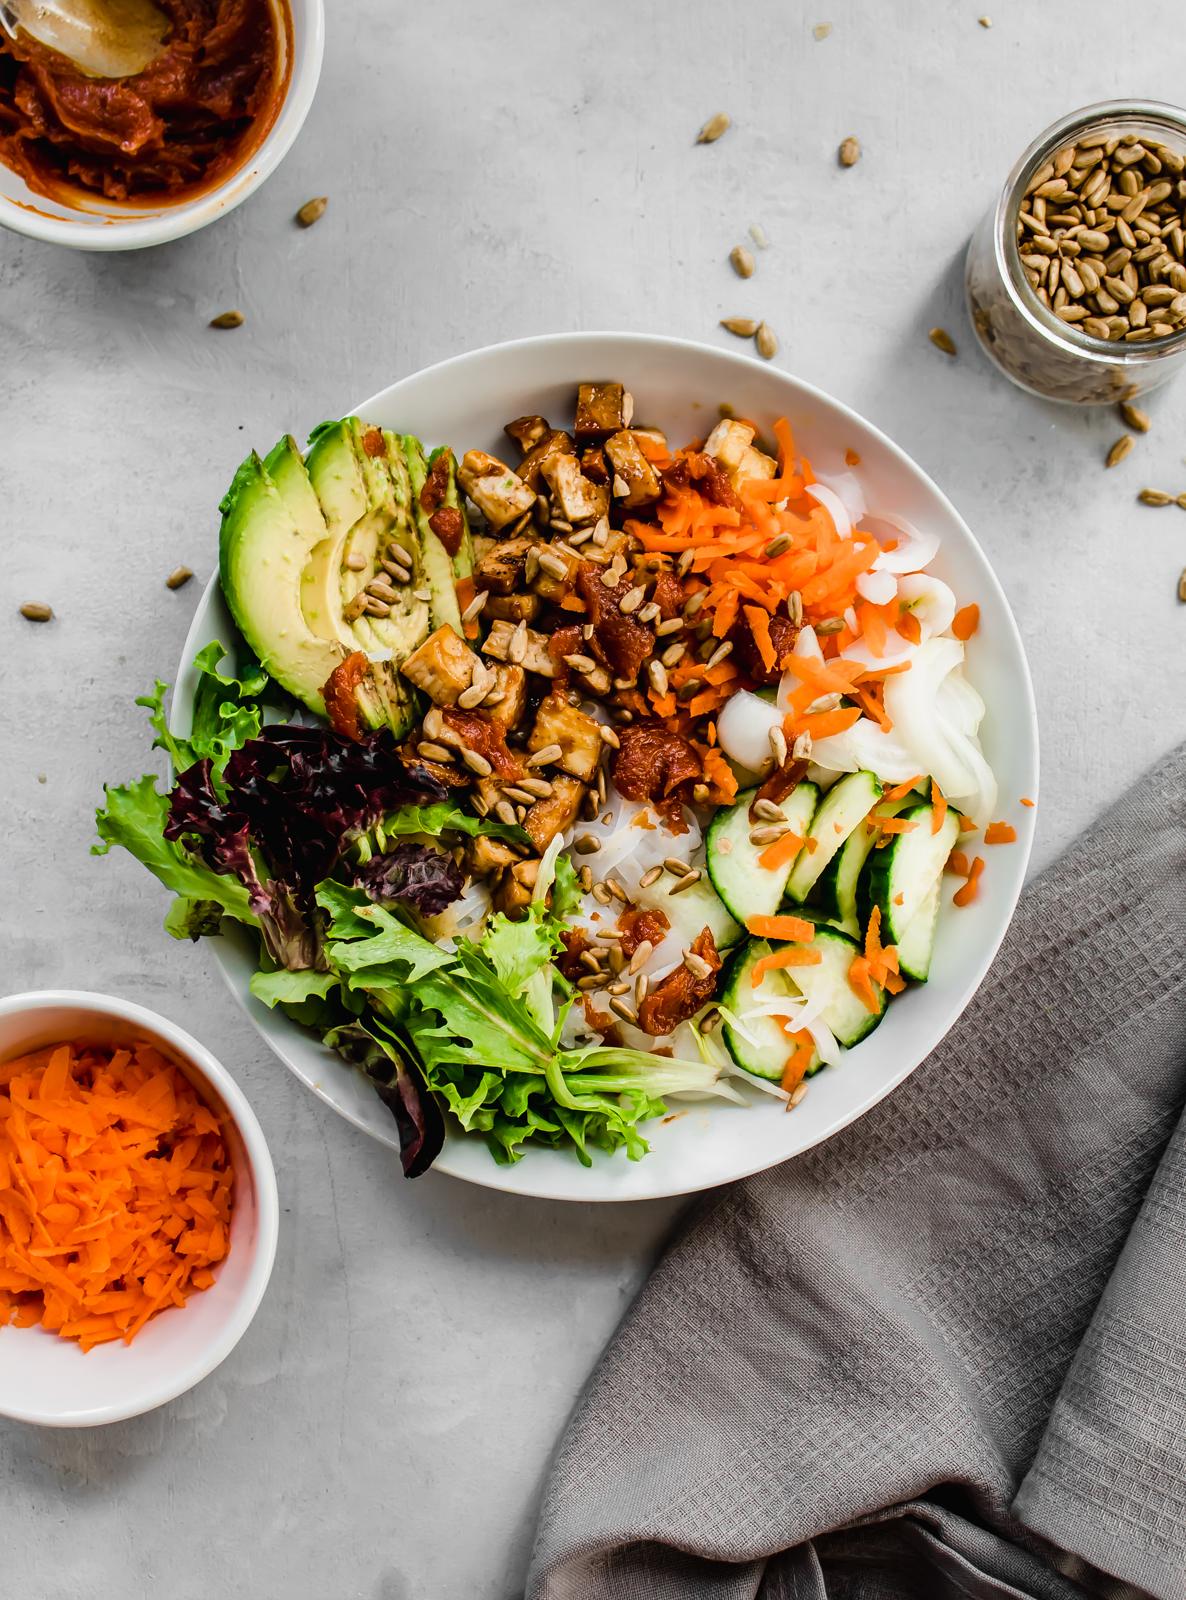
(683, 389)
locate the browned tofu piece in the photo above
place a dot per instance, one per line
(499, 494)
(535, 657)
(550, 585)
(643, 485)
(578, 501)
(601, 410)
(512, 895)
(527, 432)
(485, 856)
(556, 722)
(512, 608)
(483, 543)
(443, 666)
(511, 683)
(593, 464)
(501, 570)
(554, 444)
(731, 443)
(547, 818)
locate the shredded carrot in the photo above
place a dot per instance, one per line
(873, 627)
(851, 459)
(781, 928)
(882, 959)
(899, 790)
(957, 862)
(968, 826)
(965, 622)
(861, 983)
(718, 774)
(965, 896)
(1000, 833)
(116, 1190)
(908, 627)
(893, 824)
(759, 622)
(791, 957)
(465, 594)
(1029, 803)
(796, 1068)
(786, 445)
(821, 724)
(939, 816)
(777, 855)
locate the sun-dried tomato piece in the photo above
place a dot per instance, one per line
(574, 940)
(341, 699)
(374, 443)
(668, 594)
(748, 657)
(636, 925)
(446, 523)
(484, 735)
(652, 761)
(782, 781)
(713, 481)
(681, 995)
(437, 482)
(565, 642)
(601, 1022)
(624, 643)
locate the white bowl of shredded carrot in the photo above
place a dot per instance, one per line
(138, 1210)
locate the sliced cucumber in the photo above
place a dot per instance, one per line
(688, 912)
(748, 888)
(900, 877)
(836, 886)
(768, 1057)
(844, 1012)
(917, 943)
(841, 810)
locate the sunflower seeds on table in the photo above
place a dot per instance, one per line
(743, 261)
(312, 211)
(1155, 497)
(766, 342)
(942, 340)
(850, 152)
(1135, 417)
(227, 319)
(744, 327)
(1119, 450)
(35, 611)
(178, 577)
(713, 128)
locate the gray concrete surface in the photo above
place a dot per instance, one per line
(494, 171)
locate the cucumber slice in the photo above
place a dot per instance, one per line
(746, 887)
(917, 943)
(836, 886)
(900, 877)
(844, 1011)
(769, 1056)
(688, 912)
(841, 810)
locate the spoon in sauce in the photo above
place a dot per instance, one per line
(103, 38)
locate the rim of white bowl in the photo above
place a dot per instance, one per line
(200, 1366)
(91, 231)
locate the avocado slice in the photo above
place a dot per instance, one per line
(440, 568)
(262, 555)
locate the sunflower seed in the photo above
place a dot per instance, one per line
(522, 796)
(539, 787)
(396, 552)
(666, 628)
(434, 752)
(688, 691)
(581, 663)
(544, 757)
(376, 608)
(178, 577)
(1154, 497)
(778, 546)
(676, 866)
(769, 833)
(476, 763)
(719, 655)
(743, 261)
(600, 893)
(801, 749)
(641, 984)
(800, 1092)
(592, 959)
(850, 152)
(713, 128)
(649, 612)
(768, 810)
(744, 327)
(227, 319)
(608, 736)
(623, 1010)
(587, 845)
(657, 673)
(778, 746)
(616, 889)
(674, 655)
(709, 1021)
(473, 696)
(632, 599)
(588, 983)
(34, 611)
(312, 211)
(1120, 449)
(766, 342)
(649, 877)
(1182, 587)
(686, 882)
(942, 340)
(1135, 417)
(517, 645)
(697, 965)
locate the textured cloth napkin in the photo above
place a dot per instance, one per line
(944, 1353)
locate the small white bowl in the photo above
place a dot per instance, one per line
(47, 1379)
(99, 224)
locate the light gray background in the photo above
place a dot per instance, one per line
(497, 170)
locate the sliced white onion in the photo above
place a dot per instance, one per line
(915, 548)
(743, 728)
(834, 506)
(878, 586)
(930, 602)
(960, 704)
(895, 650)
(848, 487)
(865, 747)
(940, 749)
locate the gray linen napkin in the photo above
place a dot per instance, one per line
(945, 1352)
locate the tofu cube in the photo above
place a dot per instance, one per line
(553, 445)
(548, 585)
(547, 818)
(512, 607)
(731, 444)
(601, 410)
(511, 683)
(499, 494)
(485, 857)
(443, 667)
(500, 571)
(556, 722)
(535, 658)
(579, 501)
(643, 484)
(527, 432)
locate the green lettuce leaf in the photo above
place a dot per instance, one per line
(193, 919)
(566, 889)
(433, 819)
(516, 950)
(291, 987)
(394, 942)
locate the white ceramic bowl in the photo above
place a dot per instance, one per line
(678, 386)
(98, 224)
(47, 1379)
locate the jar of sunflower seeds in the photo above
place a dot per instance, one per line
(1076, 278)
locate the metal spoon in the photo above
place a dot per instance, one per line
(104, 38)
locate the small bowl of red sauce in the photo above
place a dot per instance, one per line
(120, 163)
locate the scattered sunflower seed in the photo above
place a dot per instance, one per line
(476, 763)
(800, 1092)
(475, 607)
(697, 965)
(743, 261)
(1181, 501)
(850, 152)
(766, 342)
(623, 1010)
(227, 319)
(41, 778)
(985, 22)
(821, 30)
(768, 810)
(312, 210)
(1122, 448)
(1154, 497)
(758, 234)
(587, 845)
(743, 327)
(713, 128)
(177, 577)
(1135, 417)
(34, 611)
(544, 757)
(686, 882)
(674, 865)
(831, 625)
(942, 340)
(1182, 587)
(608, 736)
(649, 877)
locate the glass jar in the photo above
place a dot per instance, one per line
(1027, 340)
